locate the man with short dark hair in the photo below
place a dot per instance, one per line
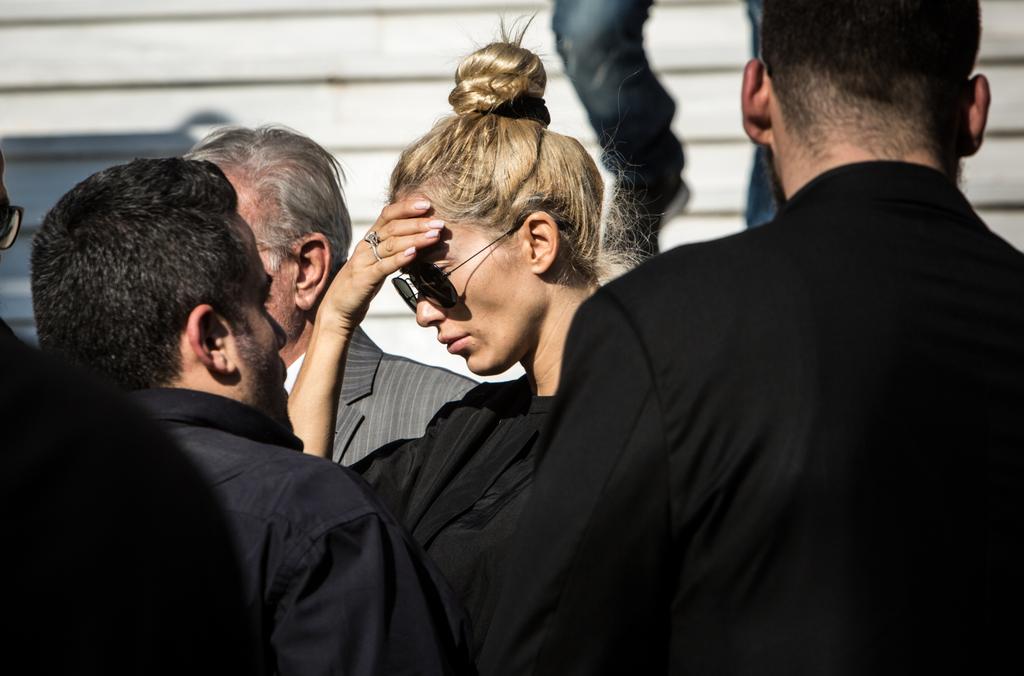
(98, 540)
(146, 274)
(289, 192)
(808, 461)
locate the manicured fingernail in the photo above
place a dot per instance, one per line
(410, 251)
(432, 234)
(436, 224)
(421, 204)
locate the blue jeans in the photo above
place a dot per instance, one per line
(601, 44)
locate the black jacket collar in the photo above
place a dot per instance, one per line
(891, 182)
(200, 409)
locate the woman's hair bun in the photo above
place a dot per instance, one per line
(496, 75)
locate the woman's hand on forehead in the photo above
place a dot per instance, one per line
(402, 231)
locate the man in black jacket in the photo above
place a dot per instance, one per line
(799, 450)
(145, 273)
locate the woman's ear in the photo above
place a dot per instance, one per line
(208, 342)
(540, 241)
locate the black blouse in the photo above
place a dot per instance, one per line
(460, 488)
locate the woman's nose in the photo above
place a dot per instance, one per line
(427, 313)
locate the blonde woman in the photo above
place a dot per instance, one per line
(495, 225)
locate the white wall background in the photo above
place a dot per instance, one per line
(86, 84)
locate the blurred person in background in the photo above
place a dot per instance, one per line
(601, 45)
(10, 225)
(289, 192)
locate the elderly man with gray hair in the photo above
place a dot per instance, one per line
(289, 191)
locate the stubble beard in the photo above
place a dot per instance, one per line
(267, 393)
(778, 192)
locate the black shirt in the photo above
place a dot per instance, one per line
(460, 488)
(334, 581)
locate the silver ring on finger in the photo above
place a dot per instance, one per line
(373, 239)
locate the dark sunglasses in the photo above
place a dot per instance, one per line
(10, 224)
(426, 280)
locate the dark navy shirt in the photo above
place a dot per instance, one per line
(334, 581)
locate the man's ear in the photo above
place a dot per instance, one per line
(208, 341)
(539, 240)
(755, 101)
(974, 105)
(314, 270)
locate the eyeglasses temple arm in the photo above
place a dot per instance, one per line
(479, 252)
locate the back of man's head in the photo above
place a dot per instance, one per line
(125, 256)
(885, 73)
(295, 182)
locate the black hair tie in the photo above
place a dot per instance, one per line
(525, 107)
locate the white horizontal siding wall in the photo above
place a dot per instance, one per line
(87, 84)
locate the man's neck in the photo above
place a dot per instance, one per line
(298, 347)
(805, 168)
(200, 381)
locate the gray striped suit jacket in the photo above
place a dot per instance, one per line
(385, 398)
